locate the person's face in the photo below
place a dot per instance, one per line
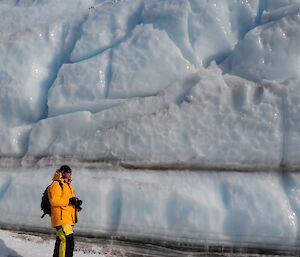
(67, 175)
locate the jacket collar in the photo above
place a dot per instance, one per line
(66, 180)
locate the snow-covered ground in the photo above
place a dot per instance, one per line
(17, 244)
(20, 244)
(176, 90)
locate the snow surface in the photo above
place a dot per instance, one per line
(23, 245)
(205, 84)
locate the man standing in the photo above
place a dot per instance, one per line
(64, 208)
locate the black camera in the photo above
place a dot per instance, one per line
(75, 202)
(78, 202)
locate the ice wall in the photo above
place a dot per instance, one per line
(239, 209)
(165, 84)
(210, 84)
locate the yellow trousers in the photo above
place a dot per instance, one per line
(64, 245)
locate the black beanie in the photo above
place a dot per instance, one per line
(65, 168)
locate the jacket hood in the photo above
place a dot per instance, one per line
(56, 175)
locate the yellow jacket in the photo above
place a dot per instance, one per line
(61, 212)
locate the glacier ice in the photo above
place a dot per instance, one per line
(202, 85)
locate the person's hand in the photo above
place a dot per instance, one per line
(72, 200)
(75, 202)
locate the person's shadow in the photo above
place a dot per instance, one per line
(7, 252)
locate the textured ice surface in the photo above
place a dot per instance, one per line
(204, 31)
(187, 122)
(106, 26)
(35, 40)
(139, 65)
(265, 50)
(236, 207)
(139, 81)
(79, 86)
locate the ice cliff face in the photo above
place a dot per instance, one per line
(207, 83)
(158, 84)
